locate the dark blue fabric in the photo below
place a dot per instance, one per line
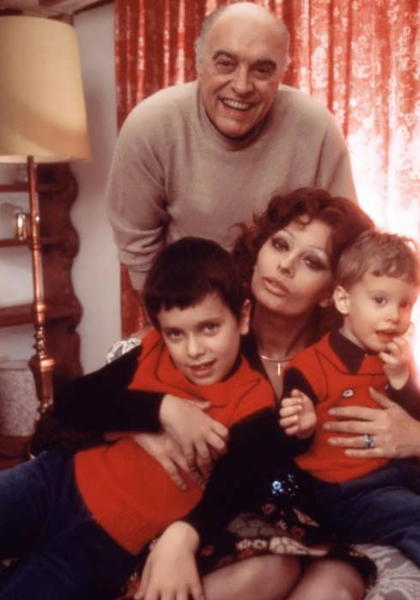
(382, 507)
(63, 554)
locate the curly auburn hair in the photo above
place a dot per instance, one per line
(346, 219)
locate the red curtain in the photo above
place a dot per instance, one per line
(361, 58)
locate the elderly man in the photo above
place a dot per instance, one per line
(197, 158)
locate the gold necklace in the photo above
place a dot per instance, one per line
(276, 360)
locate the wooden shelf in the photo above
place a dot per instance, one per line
(24, 187)
(9, 243)
(22, 314)
(45, 240)
(57, 190)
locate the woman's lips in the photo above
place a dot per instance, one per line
(275, 286)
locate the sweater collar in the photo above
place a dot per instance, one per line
(156, 372)
(351, 355)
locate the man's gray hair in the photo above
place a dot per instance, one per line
(213, 17)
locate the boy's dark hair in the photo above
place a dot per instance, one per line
(186, 271)
(380, 253)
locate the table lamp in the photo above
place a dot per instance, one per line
(42, 120)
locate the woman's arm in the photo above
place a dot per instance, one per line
(241, 479)
(101, 401)
(396, 434)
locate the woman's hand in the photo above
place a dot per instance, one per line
(201, 438)
(169, 455)
(395, 433)
(170, 572)
(297, 415)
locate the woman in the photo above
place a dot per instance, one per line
(286, 259)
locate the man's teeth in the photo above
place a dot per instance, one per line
(237, 105)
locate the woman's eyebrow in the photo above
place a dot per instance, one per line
(322, 254)
(319, 249)
(284, 230)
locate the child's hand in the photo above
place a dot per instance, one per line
(297, 415)
(201, 438)
(397, 358)
(170, 572)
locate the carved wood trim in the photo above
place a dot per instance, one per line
(63, 342)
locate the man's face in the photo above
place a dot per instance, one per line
(240, 71)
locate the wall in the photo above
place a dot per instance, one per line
(95, 269)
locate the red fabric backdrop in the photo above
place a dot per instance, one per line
(360, 58)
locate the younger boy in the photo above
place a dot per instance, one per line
(362, 500)
(78, 523)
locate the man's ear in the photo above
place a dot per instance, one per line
(245, 317)
(341, 300)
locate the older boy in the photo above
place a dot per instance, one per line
(78, 525)
(362, 500)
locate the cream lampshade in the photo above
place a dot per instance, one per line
(42, 120)
(42, 108)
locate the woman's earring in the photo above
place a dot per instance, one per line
(325, 302)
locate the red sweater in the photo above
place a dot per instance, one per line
(127, 491)
(335, 381)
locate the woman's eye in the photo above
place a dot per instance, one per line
(280, 244)
(315, 264)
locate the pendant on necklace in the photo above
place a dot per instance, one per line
(275, 360)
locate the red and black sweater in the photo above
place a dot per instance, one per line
(335, 372)
(128, 492)
(259, 451)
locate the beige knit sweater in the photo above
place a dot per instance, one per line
(173, 174)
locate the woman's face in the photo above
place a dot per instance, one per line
(293, 273)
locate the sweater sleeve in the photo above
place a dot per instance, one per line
(243, 477)
(136, 197)
(101, 401)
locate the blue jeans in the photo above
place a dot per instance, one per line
(63, 554)
(382, 507)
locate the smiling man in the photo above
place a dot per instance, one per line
(240, 62)
(198, 158)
